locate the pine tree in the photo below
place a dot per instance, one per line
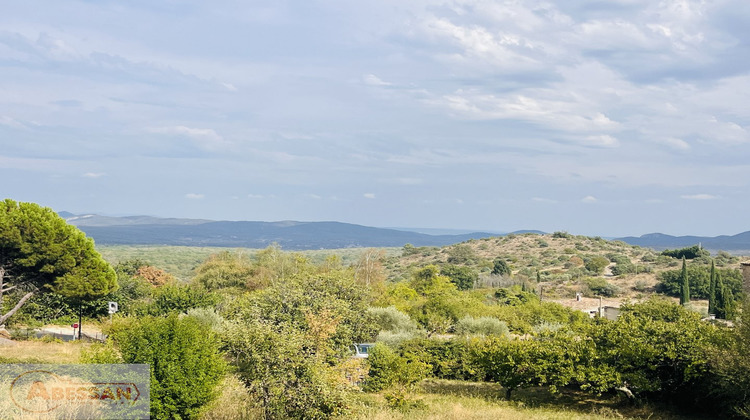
(684, 285)
(712, 290)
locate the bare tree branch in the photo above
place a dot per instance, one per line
(20, 303)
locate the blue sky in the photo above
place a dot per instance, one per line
(611, 118)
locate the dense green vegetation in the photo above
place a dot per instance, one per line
(40, 252)
(279, 327)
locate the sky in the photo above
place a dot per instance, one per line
(610, 118)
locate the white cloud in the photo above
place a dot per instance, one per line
(10, 122)
(194, 196)
(700, 197)
(589, 199)
(675, 143)
(372, 80)
(255, 196)
(313, 196)
(93, 174)
(601, 141)
(195, 133)
(369, 195)
(544, 107)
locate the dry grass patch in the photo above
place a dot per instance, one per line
(233, 403)
(454, 400)
(38, 351)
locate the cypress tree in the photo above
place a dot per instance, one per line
(724, 300)
(720, 296)
(712, 290)
(684, 285)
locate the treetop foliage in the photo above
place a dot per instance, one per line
(690, 253)
(40, 252)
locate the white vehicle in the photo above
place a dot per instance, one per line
(362, 350)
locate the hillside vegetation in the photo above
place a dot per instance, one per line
(481, 329)
(563, 264)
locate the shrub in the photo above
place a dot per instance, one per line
(100, 353)
(623, 268)
(640, 286)
(392, 320)
(185, 362)
(601, 287)
(181, 298)
(447, 359)
(461, 254)
(463, 277)
(279, 366)
(688, 253)
(394, 339)
(596, 264)
(208, 317)
(387, 368)
(482, 326)
(500, 268)
(562, 235)
(513, 296)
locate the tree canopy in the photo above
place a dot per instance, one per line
(40, 251)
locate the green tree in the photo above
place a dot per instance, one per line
(725, 304)
(500, 267)
(732, 371)
(40, 252)
(227, 270)
(185, 362)
(699, 277)
(690, 253)
(556, 361)
(330, 308)
(179, 298)
(393, 320)
(712, 289)
(485, 325)
(596, 264)
(387, 368)
(463, 277)
(435, 311)
(684, 284)
(461, 254)
(281, 368)
(658, 348)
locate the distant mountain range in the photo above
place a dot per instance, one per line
(292, 235)
(660, 241)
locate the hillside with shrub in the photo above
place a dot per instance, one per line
(270, 334)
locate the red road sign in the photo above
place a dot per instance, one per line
(74, 325)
